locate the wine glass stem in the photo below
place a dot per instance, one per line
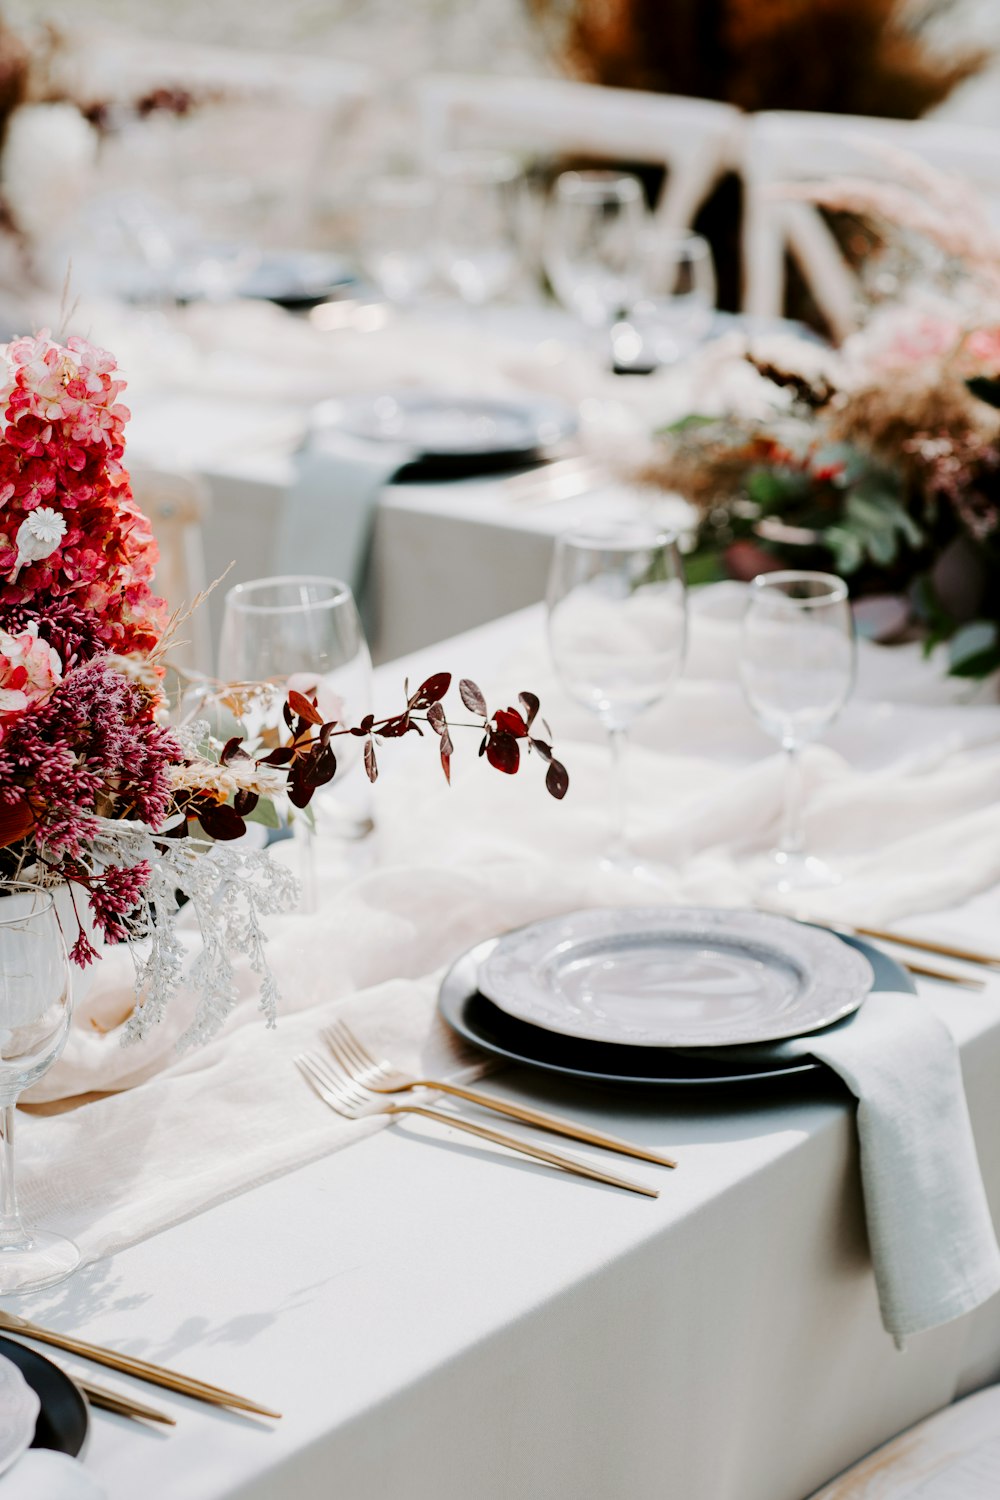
(791, 840)
(11, 1228)
(617, 741)
(306, 838)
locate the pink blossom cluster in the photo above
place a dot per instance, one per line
(93, 745)
(981, 351)
(29, 671)
(70, 530)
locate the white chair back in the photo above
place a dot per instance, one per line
(260, 115)
(696, 140)
(785, 146)
(954, 1455)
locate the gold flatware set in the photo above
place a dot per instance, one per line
(920, 945)
(355, 1084)
(141, 1369)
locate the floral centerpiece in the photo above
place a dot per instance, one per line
(97, 790)
(880, 460)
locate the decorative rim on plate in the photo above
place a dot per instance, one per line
(735, 976)
(19, 1408)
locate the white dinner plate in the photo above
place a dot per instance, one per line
(675, 976)
(19, 1407)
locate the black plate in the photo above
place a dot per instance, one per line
(62, 1421)
(454, 436)
(297, 279)
(486, 1026)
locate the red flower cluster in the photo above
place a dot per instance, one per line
(78, 730)
(70, 531)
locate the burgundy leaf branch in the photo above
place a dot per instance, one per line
(308, 760)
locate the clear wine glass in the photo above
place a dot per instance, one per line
(672, 311)
(303, 632)
(477, 230)
(396, 233)
(35, 1010)
(617, 618)
(797, 664)
(592, 244)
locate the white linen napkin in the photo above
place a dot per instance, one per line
(932, 1239)
(41, 1474)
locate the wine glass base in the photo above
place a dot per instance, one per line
(41, 1261)
(786, 872)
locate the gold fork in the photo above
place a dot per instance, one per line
(343, 1094)
(379, 1076)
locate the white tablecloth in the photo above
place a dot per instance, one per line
(434, 1316)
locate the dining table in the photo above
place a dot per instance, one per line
(227, 394)
(431, 1314)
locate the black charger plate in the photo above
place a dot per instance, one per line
(63, 1419)
(297, 279)
(487, 1027)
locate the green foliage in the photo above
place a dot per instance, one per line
(705, 565)
(878, 523)
(974, 650)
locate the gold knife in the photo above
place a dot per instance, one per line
(128, 1364)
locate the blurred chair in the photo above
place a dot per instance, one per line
(270, 115)
(954, 1455)
(696, 140)
(784, 146)
(176, 505)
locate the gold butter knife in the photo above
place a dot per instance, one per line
(142, 1369)
(926, 945)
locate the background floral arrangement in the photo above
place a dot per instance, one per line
(97, 790)
(866, 57)
(880, 461)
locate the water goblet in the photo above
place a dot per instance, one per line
(35, 1010)
(396, 230)
(478, 217)
(797, 663)
(617, 621)
(672, 311)
(303, 632)
(592, 244)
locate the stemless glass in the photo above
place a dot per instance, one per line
(676, 298)
(617, 616)
(35, 1008)
(797, 661)
(592, 243)
(303, 632)
(397, 226)
(478, 211)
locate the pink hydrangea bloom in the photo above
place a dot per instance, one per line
(61, 455)
(981, 351)
(29, 672)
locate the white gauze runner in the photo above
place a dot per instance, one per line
(907, 800)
